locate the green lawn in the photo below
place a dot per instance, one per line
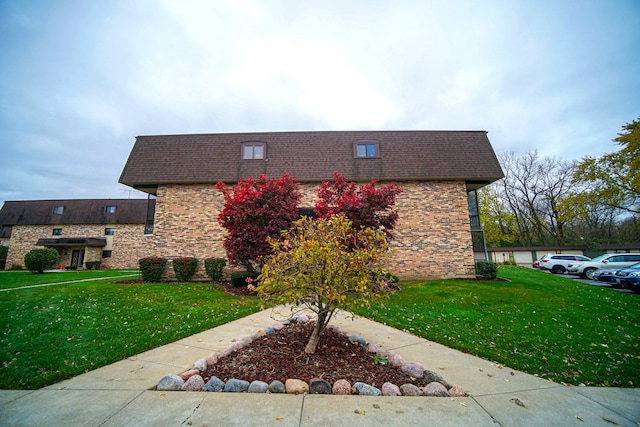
(543, 324)
(52, 333)
(14, 279)
(539, 323)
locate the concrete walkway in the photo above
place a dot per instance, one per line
(121, 394)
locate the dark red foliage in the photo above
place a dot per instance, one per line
(253, 211)
(368, 206)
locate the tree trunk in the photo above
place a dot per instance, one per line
(317, 332)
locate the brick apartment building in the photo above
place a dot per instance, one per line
(438, 171)
(107, 230)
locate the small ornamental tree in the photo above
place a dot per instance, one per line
(255, 210)
(317, 266)
(39, 260)
(368, 206)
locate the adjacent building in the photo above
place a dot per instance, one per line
(110, 231)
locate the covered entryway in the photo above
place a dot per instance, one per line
(75, 251)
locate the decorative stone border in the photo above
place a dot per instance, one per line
(191, 380)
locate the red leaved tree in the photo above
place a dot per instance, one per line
(253, 211)
(368, 206)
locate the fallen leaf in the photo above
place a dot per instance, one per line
(162, 395)
(278, 418)
(359, 411)
(518, 402)
(579, 419)
(463, 404)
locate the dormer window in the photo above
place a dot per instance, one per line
(58, 210)
(364, 149)
(110, 209)
(254, 151)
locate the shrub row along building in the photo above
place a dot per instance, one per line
(438, 171)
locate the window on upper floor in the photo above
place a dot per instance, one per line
(57, 232)
(58, 210)
(109, 231)
(254, 151)
(366, 148)
(110, 209)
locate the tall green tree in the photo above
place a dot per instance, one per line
(614, 178)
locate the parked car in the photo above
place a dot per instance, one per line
(609, 275)
(557, 263)
(628, 278)
(606, 261)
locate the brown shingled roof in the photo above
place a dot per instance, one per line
(77, 211)
(312, 157)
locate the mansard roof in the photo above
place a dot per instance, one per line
(74, 211)
(312, 157)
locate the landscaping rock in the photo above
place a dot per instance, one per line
(214, 384)
(194, 383)
(365, 389)
(373, 348)
(302, 318)
(456, 391)
(200, 365)
(188, 374)
(342, 387)
(414, 369)
(294, 386)
(212, 359)
(410, 390)
(277, 387)
(235, 386)
(319, 386)
(396, 360)
(390, 389)
(269, 330)
(431, 376)
(435, 389)
(170, 382)
(258, 387)
(277, 326)
(357, 339)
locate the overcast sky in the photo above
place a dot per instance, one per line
(79, 80)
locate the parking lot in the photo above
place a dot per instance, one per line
(588, 282)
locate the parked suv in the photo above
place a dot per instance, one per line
(558, 263)
(608, 261)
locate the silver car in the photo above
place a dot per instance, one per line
(557, 263)
(606, 261)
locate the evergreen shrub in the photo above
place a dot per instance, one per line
(213, 267)
(487, 269)
(185, 268)
(39, 260)
(151, 268)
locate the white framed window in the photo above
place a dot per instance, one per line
(254, 151)
(58, 210)
(109, 231)
(366, 149)
(110, 209)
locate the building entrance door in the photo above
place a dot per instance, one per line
(77, 258)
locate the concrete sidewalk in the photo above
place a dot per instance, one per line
(120, 394)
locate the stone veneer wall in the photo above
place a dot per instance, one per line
(128, 243)
(432, 239)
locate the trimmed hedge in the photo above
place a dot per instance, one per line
(213, 267)
(185, 268)
(151, 268)
(487, 269)
(239, 278)
(92, 265)
(39, 260)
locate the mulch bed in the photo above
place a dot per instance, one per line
(280, 356)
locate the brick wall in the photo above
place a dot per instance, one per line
(433, 237)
